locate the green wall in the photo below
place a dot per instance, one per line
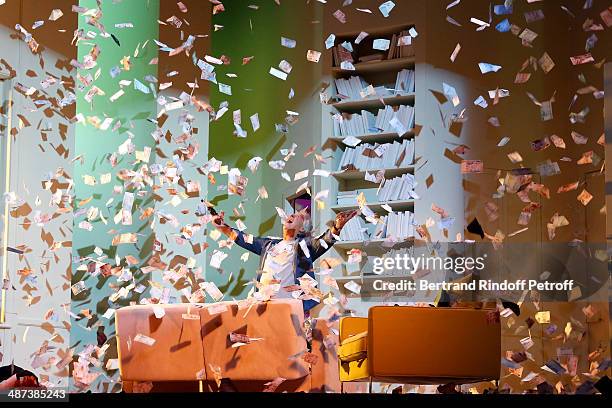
(247, 32)
(254, 91)
(95, 146)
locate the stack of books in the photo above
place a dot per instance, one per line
(401, 51)
(398, 226)
(400, 46)
(398, 188)
(404, 83)
(404, 113)
(355, 87)
(366, 123)
(348, 198)
(355, 124)
(341, 54)
(353, 230)
(350, 88)
(378, 156)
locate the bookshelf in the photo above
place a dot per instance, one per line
(372, 245)
(360, 174)
(377, 66)
(359, 104)
(374, 137)
(369, 103)
(399, 205)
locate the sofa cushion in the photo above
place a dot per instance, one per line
(279, 323)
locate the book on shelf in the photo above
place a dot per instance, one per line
(395, 225)
(392, 47)
(355, 124)
(400, 47)
(406, 49)
(341, 54)
(403, 115)
(355, 87)
(398, 189)
(350, 88)
(372, 57)
(353, 230)
(366, 156)
(398, 119)
(404, 82)
(349, 198)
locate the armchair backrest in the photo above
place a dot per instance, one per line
(430, 344)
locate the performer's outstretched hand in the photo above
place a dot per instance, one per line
(342, 218)
(219, 223)
(218, 220)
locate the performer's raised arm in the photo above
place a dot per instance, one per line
(257, 244)
(328, 236)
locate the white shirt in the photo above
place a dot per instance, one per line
(279, 265)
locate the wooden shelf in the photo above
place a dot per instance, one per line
(350, 105)
(374, 31)
(394, 64)
(375, 243)
(401, 205)
(375, 137)
(358, 174)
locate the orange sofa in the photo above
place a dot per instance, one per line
(191, 348)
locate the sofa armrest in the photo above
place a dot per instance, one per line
(325, 343)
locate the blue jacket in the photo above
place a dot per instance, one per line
(303, 264)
